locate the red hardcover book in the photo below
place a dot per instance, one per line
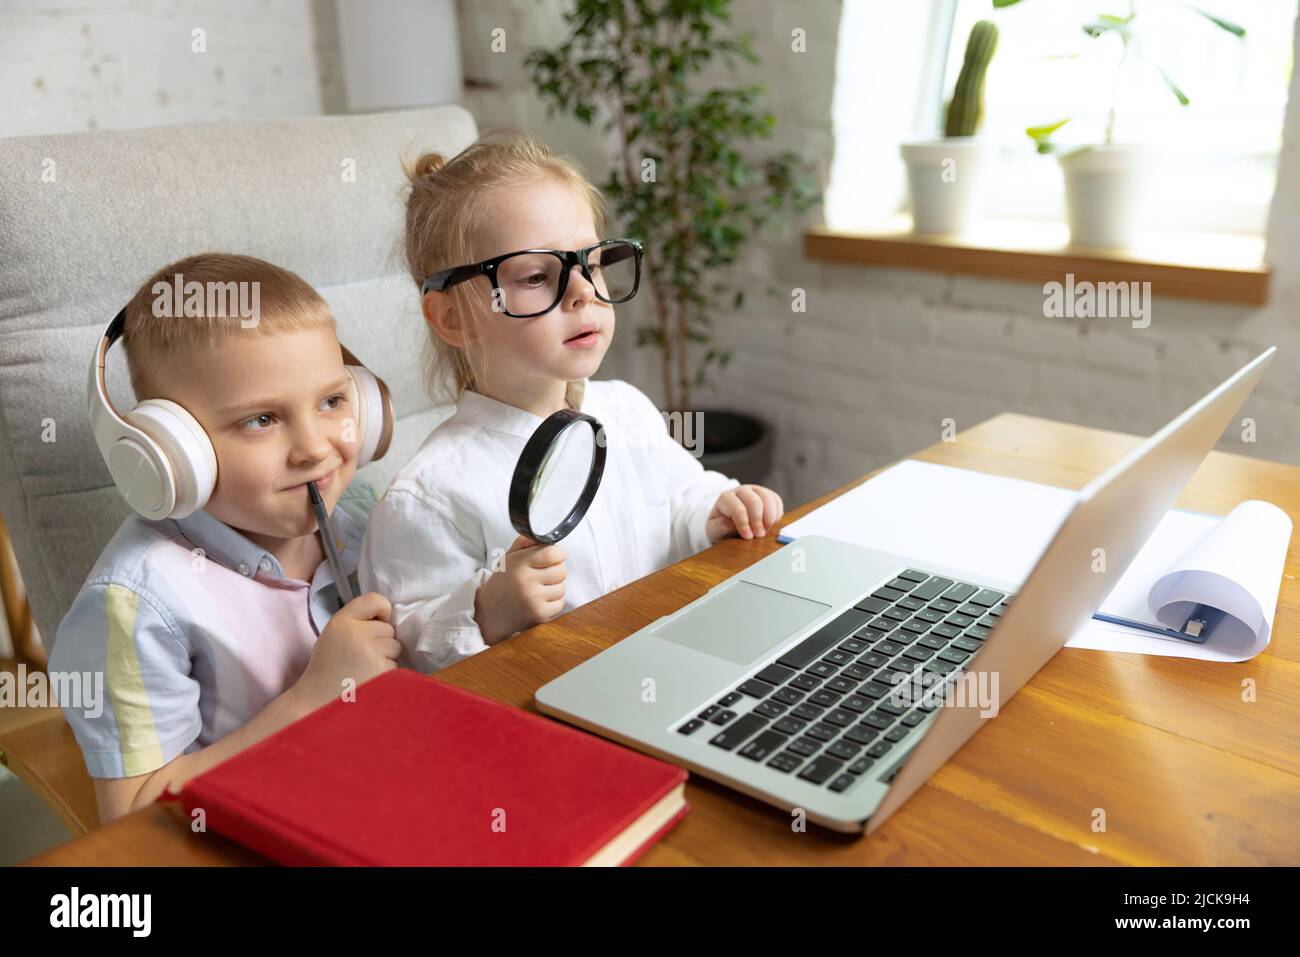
(418, 772)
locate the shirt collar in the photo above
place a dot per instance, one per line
(497, 415)
(228, 547)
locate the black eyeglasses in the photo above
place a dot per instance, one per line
(531, 282)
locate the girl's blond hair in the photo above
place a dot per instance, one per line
(447, 206)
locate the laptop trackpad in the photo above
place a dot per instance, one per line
(741, 622)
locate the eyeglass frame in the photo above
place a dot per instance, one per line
(446, 278)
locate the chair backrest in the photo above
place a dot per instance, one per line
(86, 217)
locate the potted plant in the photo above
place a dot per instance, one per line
(943, 175)
(680, 180)
(1104, 181)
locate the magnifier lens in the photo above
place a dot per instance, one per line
(558, 486)
(557, 476)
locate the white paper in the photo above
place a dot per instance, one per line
(998, 527)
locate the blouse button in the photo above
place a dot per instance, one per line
(244, 569)
(265, 565)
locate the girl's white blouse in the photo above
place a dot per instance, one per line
(432, 539)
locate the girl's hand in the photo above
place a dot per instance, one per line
(747, 510)
(527, 591)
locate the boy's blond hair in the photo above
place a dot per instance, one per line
(162, 328)
(448, 204)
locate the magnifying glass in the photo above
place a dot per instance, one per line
(557, 476)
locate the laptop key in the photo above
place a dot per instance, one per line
(690, 727)
(978, 632)
(862, 733)
(764, 745)
(856, 672)
(824, 698)
(824, 638)
(938, 667)
(878, 721)
(840, 717)
(774, 674)
(933, 617)
(897, 614)
(785, 762)
(854, 646)
(708, 712)
(960, 592)
(729, 699)
(933, 642)
(874, 689)
(821, 731)
(955, 655)
(837, 657)
(943, 605)
(820, 768)
(911, 603)
(862, 765)
(722, 717)
(822, 669)
(872, 659)
(872, 604)
(913, 575)
(879, 749)
(967, 644)
(841, 685)
(903, 585)
(917, 653)
(806, 747)
(947, 631)
(889, 648)
(856, 703)
(787, 696)
(891, 708)
(807, 712)
(842, 783)
(769, 709)
(958, 620)
(790, 725)
(882, 624)
(756, 689)
(988, 621)
(729, 738)
(912, 719)
(888, 594)
(932, 588)
(845, 750)
(805, 682)
(986, 597)
(894, 734)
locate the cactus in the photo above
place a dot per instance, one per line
(966, 108)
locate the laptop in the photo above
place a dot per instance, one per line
(835, 679)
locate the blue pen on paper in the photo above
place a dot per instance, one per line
(1196, 629)
(331, 549)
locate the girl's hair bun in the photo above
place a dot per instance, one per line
(426, 165)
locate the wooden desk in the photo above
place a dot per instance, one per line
(1186, 772)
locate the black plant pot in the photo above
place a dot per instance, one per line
(737, 445)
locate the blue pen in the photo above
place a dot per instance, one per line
(1197, 628)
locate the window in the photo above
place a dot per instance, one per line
(1214, 160)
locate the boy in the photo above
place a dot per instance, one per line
(214, 631)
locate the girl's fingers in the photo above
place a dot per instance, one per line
(738, 512)
(771, 507)
(546, 556)
(553, 575)
(754, 504)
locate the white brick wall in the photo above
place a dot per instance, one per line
(879, 358)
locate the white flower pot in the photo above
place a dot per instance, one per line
(1103, 194)
(944, 178)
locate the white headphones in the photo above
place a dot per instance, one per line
(162, 461)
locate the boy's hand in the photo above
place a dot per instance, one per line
(747, 510)
(528, 590)
(358, 643)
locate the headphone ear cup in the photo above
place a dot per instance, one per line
(374, 415)
(185, 447)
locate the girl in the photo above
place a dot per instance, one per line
(516, 334)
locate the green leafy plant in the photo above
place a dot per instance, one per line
(680, 181)
(1122, 27)
(966, 108)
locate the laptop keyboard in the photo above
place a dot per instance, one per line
(830, 707)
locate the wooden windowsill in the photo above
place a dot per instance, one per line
(1219, 267)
